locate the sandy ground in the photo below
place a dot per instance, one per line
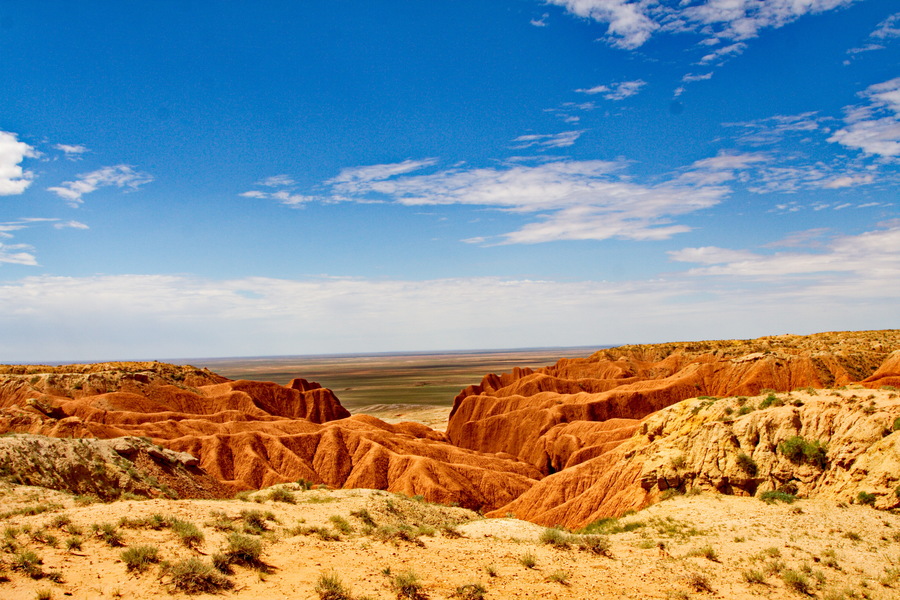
(434, 416)
(689, 546)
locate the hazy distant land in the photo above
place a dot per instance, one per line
(404, 386)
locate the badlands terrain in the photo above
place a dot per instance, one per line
(740, 468)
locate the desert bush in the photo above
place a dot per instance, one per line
(29, 563)
(60, 521)
(528, 560)
(491, 570)
(387, 533)
(305, 484)
(243, 549)
(364, 516)
(407, 586)
(449, 530)
(282, 495)
(193, 576)
(594, 543)
(189, 534)
(799, 450)
(865, 498)
(44, 594)
(221, 521)
(707, 552)
(746, 464)
(330, 587)
(555, 537)
(341, 524)
(469, 591)
(773, 496)
(139, 558)
(699, 582)
(795, 581)
(221, 563)
(255, 521)
(771, 400)
(753, 576)
(560, 577)
(108, 533)
(73, 543)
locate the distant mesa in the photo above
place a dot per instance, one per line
(564, 444)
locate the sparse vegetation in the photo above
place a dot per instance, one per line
(330, 587)
(772, 496)
(753, 576)
(746, 464)
(407, 586)
(469, 591)
(189, 534)
(799, 450)
(281, 494)
(560, 577)
(555, 537)
(865, 498)
(528, 560)
(193, 576)
(139, 558)
(243, 549)
(795, 581)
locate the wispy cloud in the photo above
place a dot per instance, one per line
(549, 140)
(277, 181)
(724, 52)
(72, 152)
(772, 130)
(17, 254)
(571, 200)
(13, 178)
(542, 22)
(690, 77)
(70, 225)
(362, 175)
(885, 31)
(616, 91)
(870, 254)
(874, 127)
(121, 176)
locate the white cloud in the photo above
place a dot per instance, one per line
(710, 255)
(549, 140)
(70, 225)
(873, 128)
(278, 181)
(616, 91)
(72, 152)
(887, 29)
(870, 255)
(772, 130)
(572, 200)
(121, 176)
(542, 22)
(155, 316)
(690, 77)
(629, 24)
(632, 23)
(361, 175)
(13, 178)
(727, 51)
(17, 254)
(849, 181)
(283, 197)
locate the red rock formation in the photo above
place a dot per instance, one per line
(251, 434)
(520, 413)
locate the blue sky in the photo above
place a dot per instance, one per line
(187, 179)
